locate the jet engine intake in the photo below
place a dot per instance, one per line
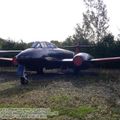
(78, 60)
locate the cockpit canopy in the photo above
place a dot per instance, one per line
(43, 45)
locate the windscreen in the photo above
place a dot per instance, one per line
(43, 45)
(36, 45)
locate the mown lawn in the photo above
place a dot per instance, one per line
(92, 95)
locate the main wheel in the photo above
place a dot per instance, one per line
(23, 81)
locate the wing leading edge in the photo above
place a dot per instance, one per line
(4, 62)
(106, 59)
(111, 62)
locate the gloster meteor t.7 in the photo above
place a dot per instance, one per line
(47, 55)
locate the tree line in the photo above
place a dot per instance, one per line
(106, 47)
(13, 45)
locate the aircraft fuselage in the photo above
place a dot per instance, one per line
(35, 58)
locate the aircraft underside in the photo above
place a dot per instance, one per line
(36, 64)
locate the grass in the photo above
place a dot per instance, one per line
(76, 112)
(93, 94)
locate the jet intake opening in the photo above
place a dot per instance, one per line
(77, 60)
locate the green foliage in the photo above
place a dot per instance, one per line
(68, 42)
(95, 20)
(57, 43)
(1, 42)
(76, 112)
(12, 45)
(107, 47)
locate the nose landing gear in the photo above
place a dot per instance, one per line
(24, 80)
(21, 72)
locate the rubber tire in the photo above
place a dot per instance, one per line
(23, 81)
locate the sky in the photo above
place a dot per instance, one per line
(113, 8)
(46, 20)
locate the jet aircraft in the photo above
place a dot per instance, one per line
(49, 56)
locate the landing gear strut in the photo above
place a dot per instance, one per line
(22, 74)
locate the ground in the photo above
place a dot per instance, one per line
(91, 95)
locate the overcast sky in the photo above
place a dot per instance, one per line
(33, 20)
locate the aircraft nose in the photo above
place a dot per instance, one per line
(29, 54)
(24, 55)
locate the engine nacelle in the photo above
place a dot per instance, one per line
(78, 60)
(81, 58)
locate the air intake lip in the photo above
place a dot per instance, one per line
(77, 60)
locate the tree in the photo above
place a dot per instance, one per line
(12, 45)
(1, 42)
(106, 47)
(108, 41)
(57, 43)
(68, 41)
(95, 21)
(81, 35)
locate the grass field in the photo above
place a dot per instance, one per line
(92, 95)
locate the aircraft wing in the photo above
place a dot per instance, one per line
(6, 57)
(106, 59)
(4, 62)
(110, 62)
(4, 53)
(68, 62)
